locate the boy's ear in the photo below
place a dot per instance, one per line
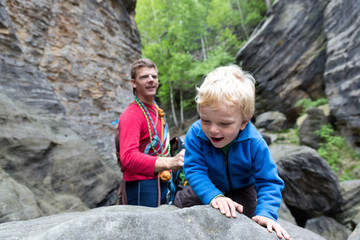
(244, 124)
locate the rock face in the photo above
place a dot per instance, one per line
(307, 130)
(350, 209)
(133, 222)
(311, 187)
(328, 228)
(299, 233)
(342, 69)
(64, 78)
(287, 55)
(271, 121)
(355, 234)
(308, 49)
(83, 51)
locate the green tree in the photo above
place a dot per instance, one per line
(189, 38)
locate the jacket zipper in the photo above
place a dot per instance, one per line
(228, 171)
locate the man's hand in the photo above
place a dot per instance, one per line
(170, 163)
(226, 206)
(270, 225)
(178, 161)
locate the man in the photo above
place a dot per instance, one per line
(144, 140)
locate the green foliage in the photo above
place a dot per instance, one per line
(217, 57)
(343, 160)
(176, 34)
(221, 15)
(288, 136)
(308, 103)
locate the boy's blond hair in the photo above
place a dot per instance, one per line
(228, 85)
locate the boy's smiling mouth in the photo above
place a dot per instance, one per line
(216, 139)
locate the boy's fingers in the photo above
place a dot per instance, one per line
(286, 235)
(226, 210)
(234, 214)
(222, 209)
(272, 225)
(269, 227)
(278, 230)
(214, 204)
(281, 232)
(239, 208)
(233, 211)
(226, 206)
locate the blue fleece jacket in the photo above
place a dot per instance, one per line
(248, 161)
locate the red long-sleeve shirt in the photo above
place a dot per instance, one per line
(134, 136)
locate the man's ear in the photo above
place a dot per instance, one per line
(133, 83)
(244, 124)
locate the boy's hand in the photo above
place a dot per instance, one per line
(270, 225)
(226, 206)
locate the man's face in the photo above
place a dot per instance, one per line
(221, 125)
(146, 84)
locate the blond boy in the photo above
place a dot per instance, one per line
(227, 161)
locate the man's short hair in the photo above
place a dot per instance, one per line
(140, 63)
(228, 85)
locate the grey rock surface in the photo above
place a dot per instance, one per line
(64, 78)
(17, 201)
(307, 130)
(77, 56)
(298, 233)
(287, 55)
(355, 235)
(133, 222)
(327, 227)
(271, 121)
(350, 209)
(308, 49)
(342, 69)
(46, 168)
(311, 186)
(285, 214)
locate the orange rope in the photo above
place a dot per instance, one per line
(161, 114)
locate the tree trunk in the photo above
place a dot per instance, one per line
(152, 5)
(182, 121)
(172, 105)
(203, 48)
(268, 5)
(242, 19)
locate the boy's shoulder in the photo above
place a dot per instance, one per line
(195, 130)
(250, 133)
(196, 124)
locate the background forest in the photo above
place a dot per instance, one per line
(187, 39)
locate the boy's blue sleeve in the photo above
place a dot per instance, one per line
(268, 184)
(195, 167)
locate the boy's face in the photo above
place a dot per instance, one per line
(146, 83)
(221, 125)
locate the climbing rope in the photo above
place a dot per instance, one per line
(154, 140)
